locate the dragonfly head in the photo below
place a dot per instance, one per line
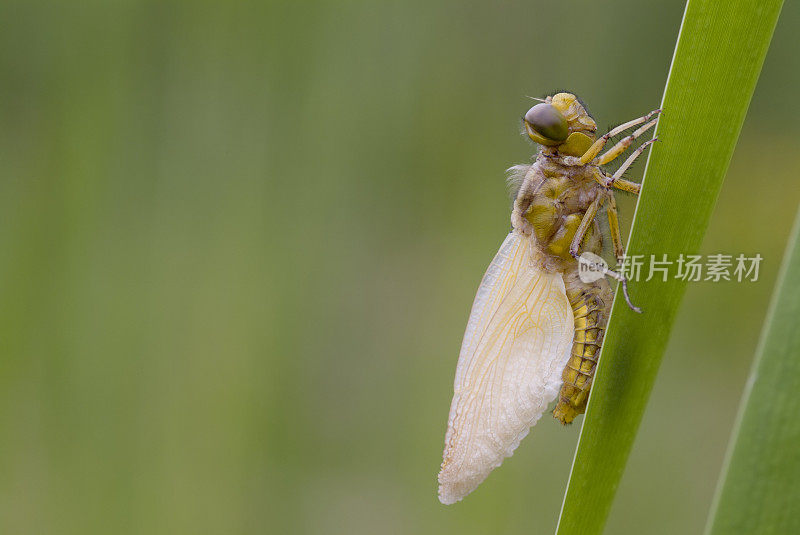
(561, 121)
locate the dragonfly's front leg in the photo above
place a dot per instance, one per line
(624, 143)
(598, 145)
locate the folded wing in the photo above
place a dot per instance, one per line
(515, 348)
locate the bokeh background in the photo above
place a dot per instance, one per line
(240, 242)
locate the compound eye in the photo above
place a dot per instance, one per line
(548, 121)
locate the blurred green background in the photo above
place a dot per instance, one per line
(240, 242)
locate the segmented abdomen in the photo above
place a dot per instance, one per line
(591, 305)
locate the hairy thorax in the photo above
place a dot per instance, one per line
(560, 193)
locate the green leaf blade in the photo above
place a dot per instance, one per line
(718, 58)
(759, 489)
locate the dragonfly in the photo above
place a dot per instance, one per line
(537, 323)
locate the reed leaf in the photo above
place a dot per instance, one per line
(759, 488)
(720, 50)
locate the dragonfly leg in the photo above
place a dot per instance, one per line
(613, 224)
(587, 220)
(616, 180)
(619, 248)
(622, 184)
(624, 143)
(624, 282)
(608, 181)
(598, 145)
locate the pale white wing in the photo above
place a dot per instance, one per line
(516, 345)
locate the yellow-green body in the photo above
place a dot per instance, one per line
(557, 202)
(563, 193)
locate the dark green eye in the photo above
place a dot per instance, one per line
(548, 122)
